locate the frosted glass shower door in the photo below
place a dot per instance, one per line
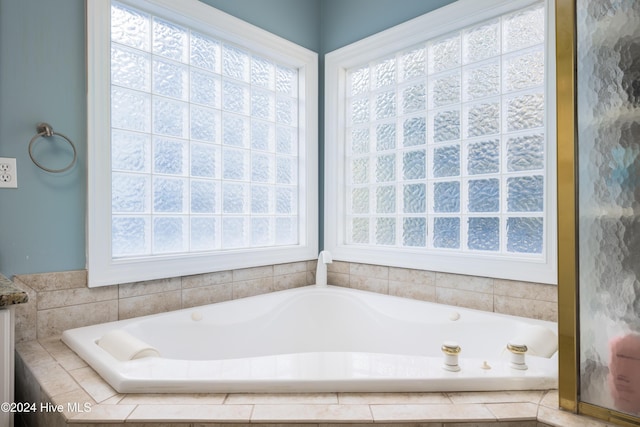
(608, 87)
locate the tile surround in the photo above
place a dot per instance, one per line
(526, 299)
(48, 371)
(60, 301)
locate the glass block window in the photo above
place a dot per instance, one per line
(446, 141)
(202, 136)
(204, 141)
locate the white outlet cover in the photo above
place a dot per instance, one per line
(8, 173)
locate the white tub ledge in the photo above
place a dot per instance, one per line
(49, 373)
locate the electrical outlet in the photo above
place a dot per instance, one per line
(8, 173)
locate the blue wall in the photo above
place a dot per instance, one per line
(42, 78)
(295, 20)
(347, 21)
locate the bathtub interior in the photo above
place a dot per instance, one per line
(317, 339)
(317, 321)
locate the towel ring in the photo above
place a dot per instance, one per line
(45, 130)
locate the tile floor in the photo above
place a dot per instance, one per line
(49, 373)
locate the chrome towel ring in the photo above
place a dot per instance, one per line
(45, 130)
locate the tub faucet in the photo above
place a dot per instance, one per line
(321, 270)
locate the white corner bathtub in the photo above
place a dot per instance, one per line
(314, 339)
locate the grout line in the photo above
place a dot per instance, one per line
(373, 420)
(72, 304)
(253, 407)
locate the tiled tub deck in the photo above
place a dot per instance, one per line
(49, 374)
(48, 371)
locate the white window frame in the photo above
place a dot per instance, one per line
(450, 18)
(102, 268)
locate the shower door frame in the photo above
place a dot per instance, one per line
(568, 266)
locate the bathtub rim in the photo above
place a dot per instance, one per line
(122, 379)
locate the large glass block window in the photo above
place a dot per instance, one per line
(446, 141)
(204, 141)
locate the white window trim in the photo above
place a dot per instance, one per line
(439, 22)
(102, 269)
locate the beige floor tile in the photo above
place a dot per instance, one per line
(378, 425)
(114, 400)
(191, 413)
(431, 413)
(513, 411)
(173, 399)
(260, 425)
(160, 425)
(126, 424)
(62, 354)
(33, 353)
(392, 398)
(89, 380)
(496, 424)
(55, 380)
(556, 417)
(281, 399)
(551, 399)
(105, 414)
(311, 413)
(532, 396)
(74, 402)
